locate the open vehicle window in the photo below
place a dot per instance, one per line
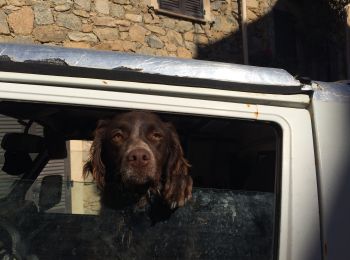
(45, 201)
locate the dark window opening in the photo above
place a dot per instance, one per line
(230, 153)
(233, 214)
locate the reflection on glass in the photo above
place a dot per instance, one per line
(229, 224)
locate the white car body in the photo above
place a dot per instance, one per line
(314, 117)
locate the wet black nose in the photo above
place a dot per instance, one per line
(138, 157)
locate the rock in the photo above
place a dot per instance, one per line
(6, 38)
(251, 16)
(217, 23)
(188, 36)
(102, 6)
(225, 8)
(42, 13)
(62, 8)
(218, 35)
(235, 7)
(253, 4)
(60, 2)
(198, 28)
(201, 40)
(162, 53)
(117, 45)
(87, 28)
(17, 39)
(175, 37)
(107, 34)
(103, 46)
(146, 51)
(23, 39)
(266, 5)
(156, 29)
(106, 46)
(123, 35)
(123, 46)
(170, 47)
(232, 20)
(69, 21)
(17, 2)
(183, 53)
(216, 5)
(121, 2)
(184, 26)
(104, 21)
(82, 37)
(81, 13)
(154, 42)
(137, 2)
(169, 23)
(191, 47)
(164, 39)
(117, 11)
(123, 23)
(2, 3)
(83, 4)
(128, 46)
(4, 28)
(222, 24)
(134, 18)
(123, 28)
(209, 33)
(49, 33)
(80, 45)
(22, 21)
(150, 18)
(137, 33)
(8, 9)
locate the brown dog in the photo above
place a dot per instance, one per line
(136, 153)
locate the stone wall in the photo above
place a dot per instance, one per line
(123, 25)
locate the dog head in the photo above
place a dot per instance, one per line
(137, 150)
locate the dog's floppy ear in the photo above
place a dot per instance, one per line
(95, 164)
(178, 184)
(177, 164)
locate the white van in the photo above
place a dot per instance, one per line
(269, 155)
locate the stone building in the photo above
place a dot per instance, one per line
(276, 29)
(290, 34)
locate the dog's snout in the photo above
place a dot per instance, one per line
(138, 157)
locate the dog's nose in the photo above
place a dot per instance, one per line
(139, 157)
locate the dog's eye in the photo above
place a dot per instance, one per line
(157, 136)
(118, 137)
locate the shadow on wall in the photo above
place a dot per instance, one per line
(307, 38)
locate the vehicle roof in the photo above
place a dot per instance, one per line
(41, 59)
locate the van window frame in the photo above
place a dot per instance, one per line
(297, 135)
